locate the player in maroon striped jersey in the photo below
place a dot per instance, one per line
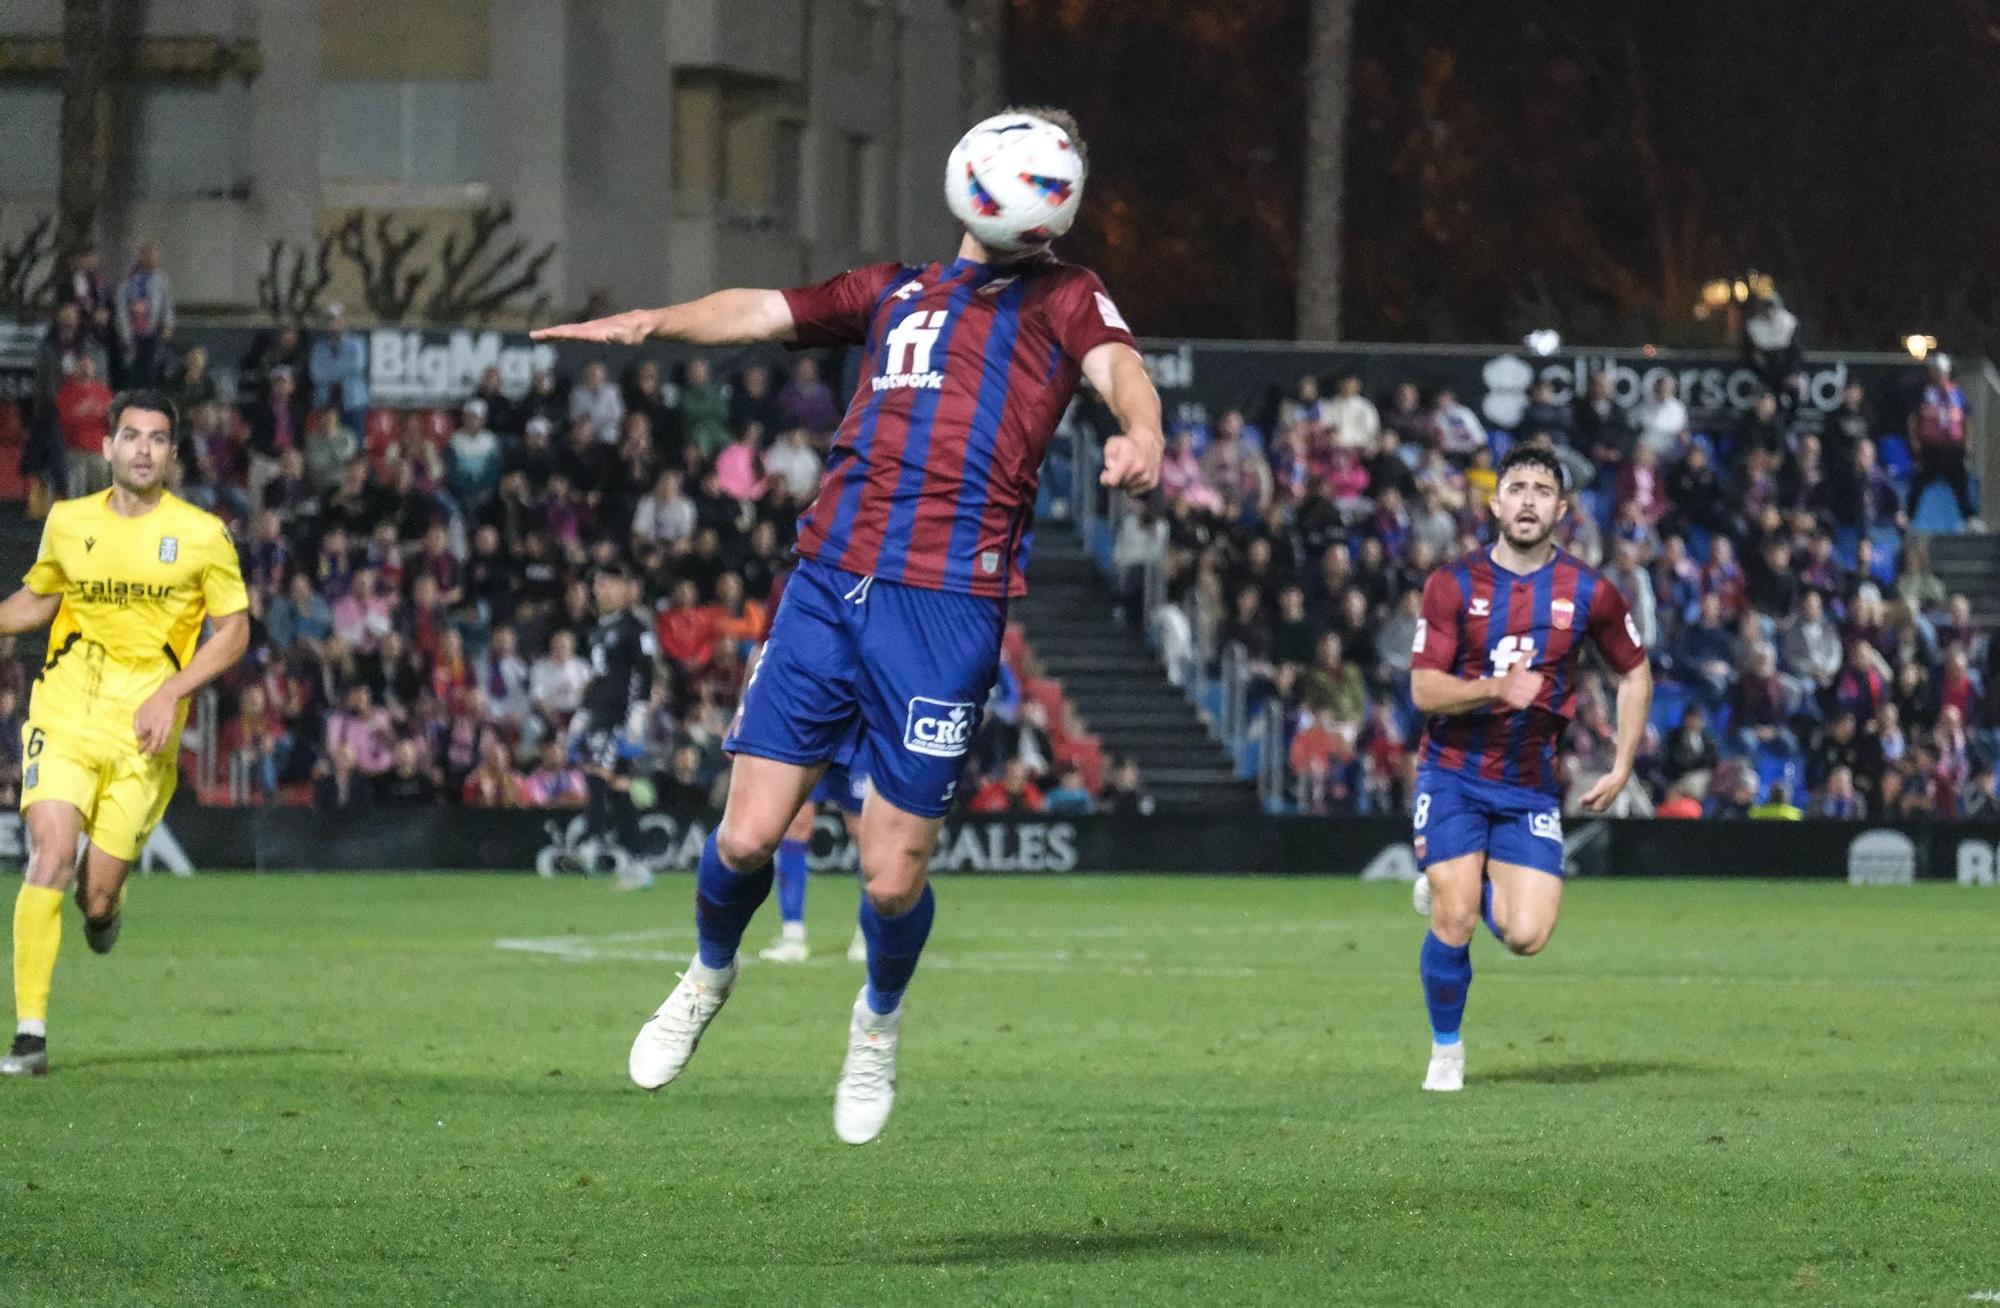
(1494, 665)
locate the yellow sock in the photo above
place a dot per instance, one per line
(37, 936)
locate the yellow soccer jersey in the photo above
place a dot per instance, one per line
(134, 594)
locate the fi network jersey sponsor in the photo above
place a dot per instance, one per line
(1480, 620)
(966, 369)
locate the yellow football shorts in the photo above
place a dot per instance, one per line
(121, 793)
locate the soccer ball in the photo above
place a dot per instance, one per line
(1015, 181)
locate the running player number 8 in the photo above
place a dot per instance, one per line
(1513, 651)
(1421, 813)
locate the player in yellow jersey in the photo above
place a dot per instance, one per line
(124, 579)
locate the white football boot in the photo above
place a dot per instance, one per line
(789, 947)
(867, 1089)
(1447, 1069)
(1420, 894)
(857, 948)
(664, 1045)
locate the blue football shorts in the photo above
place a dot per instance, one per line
(1457, 815)
(885, 680)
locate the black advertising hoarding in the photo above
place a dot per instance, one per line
(555, 843)
(435, 368)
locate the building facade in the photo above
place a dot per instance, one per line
(665, 147)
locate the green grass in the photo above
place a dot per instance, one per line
(1139, 1090)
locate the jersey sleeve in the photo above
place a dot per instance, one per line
(1614, 630)
(45, 576)
(836, 311)
(1436, 644)
(222, 590)
(1084, 316)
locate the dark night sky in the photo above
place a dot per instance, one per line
(1543, 161)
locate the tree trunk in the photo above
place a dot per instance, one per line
(86, 63)
(1329, 84)
(981, 29)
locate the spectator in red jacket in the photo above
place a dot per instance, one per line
(83, 411)
(1011, 792)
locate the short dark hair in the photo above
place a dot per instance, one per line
(1062, 118)
(1524, 454)
(151, 401)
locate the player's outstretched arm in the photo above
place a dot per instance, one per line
(735, 317)
(25, 610)
(154, 722)
(1131, 459)
(1635, 702)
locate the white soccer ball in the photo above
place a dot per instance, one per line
(1015, 181)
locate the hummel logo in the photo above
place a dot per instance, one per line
(1479, 608)
(907, 289)
(89, 544)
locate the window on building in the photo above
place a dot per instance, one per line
(191, 138)
(735, 149)
(406, 103)
(32, 111)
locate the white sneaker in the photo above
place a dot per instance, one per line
(857, 948)
(1420, 894)
(867, 1089)
(785, 949)
(664, 1045)
(1447, 1070)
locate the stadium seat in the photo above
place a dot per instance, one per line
(1669, 702)
(1698, 540)
(1894, 453)
(1889, 549)
(1937, 512)
(1844, 541)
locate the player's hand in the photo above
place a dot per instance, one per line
(1599, 797)
(154, 722)
(1132, 464)
(1519, 687)
(628, 328)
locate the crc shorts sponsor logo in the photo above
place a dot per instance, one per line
(1549, 825)
(937, 727)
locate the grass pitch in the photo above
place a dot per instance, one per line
(1142, 1090)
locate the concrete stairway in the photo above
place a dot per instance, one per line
(1117, 684)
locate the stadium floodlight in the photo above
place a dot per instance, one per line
(1919, 346)
(1543, 341)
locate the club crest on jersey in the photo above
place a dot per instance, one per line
(937, 727)
(1480, 608)
(170, 548)
(1561, 613)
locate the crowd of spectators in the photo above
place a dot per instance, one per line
(418, 603)
(1804, 650)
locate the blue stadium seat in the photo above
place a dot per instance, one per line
(1772, 767)
(1669, 701)
(1697, 542)
(1889, 549)
(1937, 511)
(1844, 541)
(1894, 454)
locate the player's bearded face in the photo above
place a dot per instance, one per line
(1528, 506)
(141, 450)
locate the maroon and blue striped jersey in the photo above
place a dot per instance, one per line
(966, 368)
(1480, 620)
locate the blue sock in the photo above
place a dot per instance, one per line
(724, 902)
(1447, 973)
(791, 867)
(894, 944)
(1486, 910)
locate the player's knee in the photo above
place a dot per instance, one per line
(893, 882)
(745, 850)
(1452, 924)
(1526, 942)
(894, 900)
